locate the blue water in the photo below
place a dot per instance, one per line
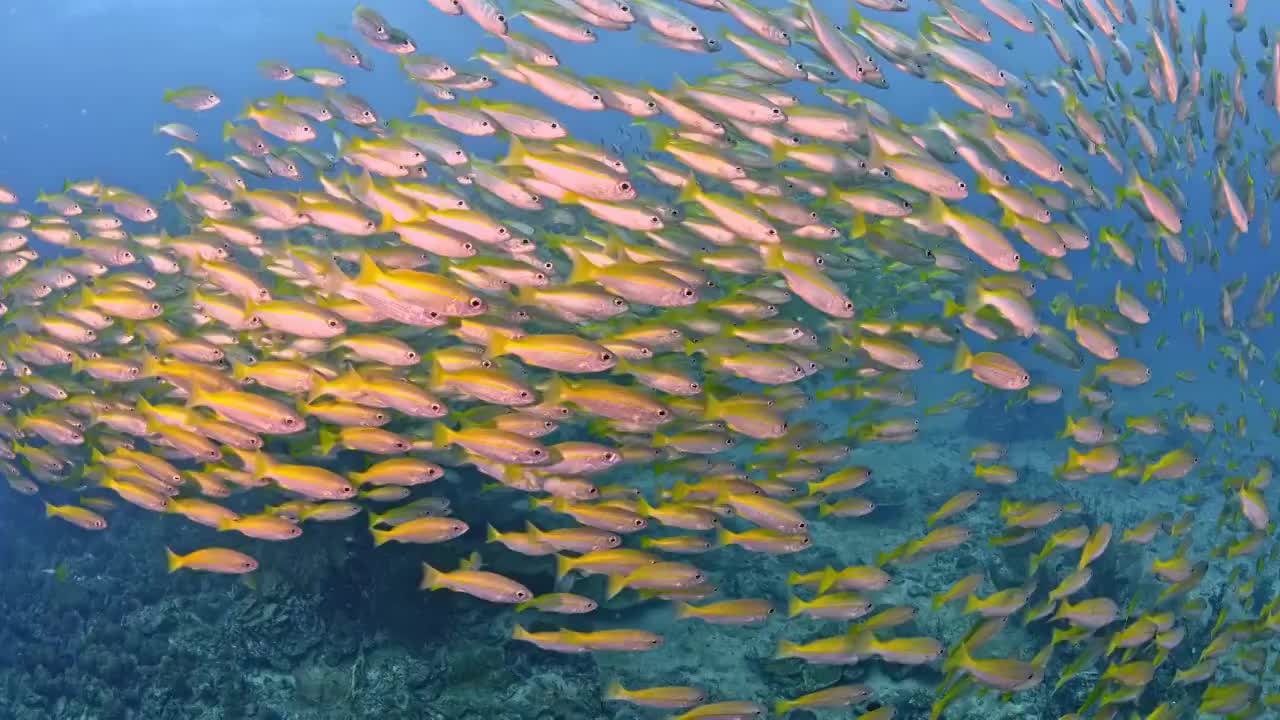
(93, 627)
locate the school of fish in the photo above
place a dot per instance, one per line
(786, 242)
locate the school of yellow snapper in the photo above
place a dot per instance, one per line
(419, 311)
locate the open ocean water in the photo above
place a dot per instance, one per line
(578, 359)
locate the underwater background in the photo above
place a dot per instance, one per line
(93, 625)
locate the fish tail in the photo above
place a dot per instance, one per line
(1036, 559)
(615, 691)
(564, 565)
(516, 154)
(519, 633)
(380, 537)
(690, 191)
(862, 641)
(369, 273)
(936, 211)
(1066, 431)
(174, 560)
(858, 227)
(261, 466)
(553, 393)
(497, 346)
(680, 490)
(328, 439)
(786, 649)
(431, 579)
(533, 532)
(491, 534)
(828, 580)
(617, 583)
(581, 269)
(49, 510)
(773, 257)
(778, 152)
(724, 537)
(683, 611)
(782, 707)
(855, 21)
(963, 359)
(795, 606)
(957, 658)
(440, 436)
(660, 135)
(387, 224)
(316, 391)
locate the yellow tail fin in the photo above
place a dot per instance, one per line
(175, 560)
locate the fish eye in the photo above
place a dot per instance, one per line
(650, 104)
(606, 357)
(435, 407)
(624, 186)
(655, 220)
(688, 292)
(501, 18)
(333, 323)
(537, 452)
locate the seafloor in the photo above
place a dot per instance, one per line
(331, 627)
